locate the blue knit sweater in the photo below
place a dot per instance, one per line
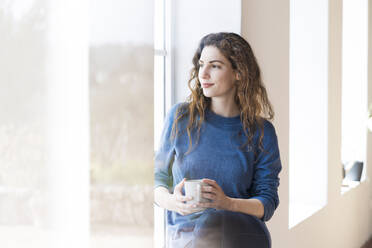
(241, 172)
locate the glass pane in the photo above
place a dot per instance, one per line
(308, 52)
(354, 91)
(159, 25)
(23, 173)
(122, 120)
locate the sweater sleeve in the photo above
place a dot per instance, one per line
(164, 157)
(268, 165)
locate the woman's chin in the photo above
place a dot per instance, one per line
(207, 93)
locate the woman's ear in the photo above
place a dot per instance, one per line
(237, 76)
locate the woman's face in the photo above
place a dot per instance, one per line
(216, 74)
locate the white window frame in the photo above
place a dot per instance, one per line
(163, 92)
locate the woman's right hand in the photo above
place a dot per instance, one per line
(179, 201)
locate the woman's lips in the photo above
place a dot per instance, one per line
(207, 85)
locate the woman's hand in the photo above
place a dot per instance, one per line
(215, 193)
(179, 201)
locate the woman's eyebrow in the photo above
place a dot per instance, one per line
(216, 60)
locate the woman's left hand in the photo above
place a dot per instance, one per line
(215, 193)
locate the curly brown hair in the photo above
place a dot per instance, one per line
(251, 96)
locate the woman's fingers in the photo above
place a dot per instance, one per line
(211, 192)
(208, 189)
(206, 205)
(178, 187)
(178, 192)
(182, 198)
(209, 196)
(185, 209)
(212, 183)
(209, 181)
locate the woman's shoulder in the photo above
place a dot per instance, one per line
(181, 106)
(268, 125)
(176, 110)
(267, 128)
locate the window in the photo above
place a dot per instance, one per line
(52, 72)
(163, 91)
(121, 123)
(179, 27)
(354, 91)
(308, 138)
(23, 94)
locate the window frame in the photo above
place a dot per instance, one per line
(163, 92)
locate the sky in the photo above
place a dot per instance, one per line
(111, 21)
(122, 21)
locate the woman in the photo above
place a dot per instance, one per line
(222, 135)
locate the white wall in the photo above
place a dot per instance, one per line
(369, 137)
(193, 19)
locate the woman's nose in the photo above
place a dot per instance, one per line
(203, 72)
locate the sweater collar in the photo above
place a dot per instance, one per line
(221, 121)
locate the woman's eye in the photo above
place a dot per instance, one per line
(213, 66)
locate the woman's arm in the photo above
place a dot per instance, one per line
(247, 206)
(164, 159)
(265, 180)
(220, 201)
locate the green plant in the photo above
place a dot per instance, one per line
(130, 173)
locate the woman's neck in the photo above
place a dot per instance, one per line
(225, 107)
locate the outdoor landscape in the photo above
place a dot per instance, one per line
(121, 112)
(121, 115)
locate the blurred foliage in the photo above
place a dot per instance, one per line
(121, 100)
(132, 173)
(22, 155)
(22, 62)
(23, 94)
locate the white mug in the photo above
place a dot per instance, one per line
(193, 189)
